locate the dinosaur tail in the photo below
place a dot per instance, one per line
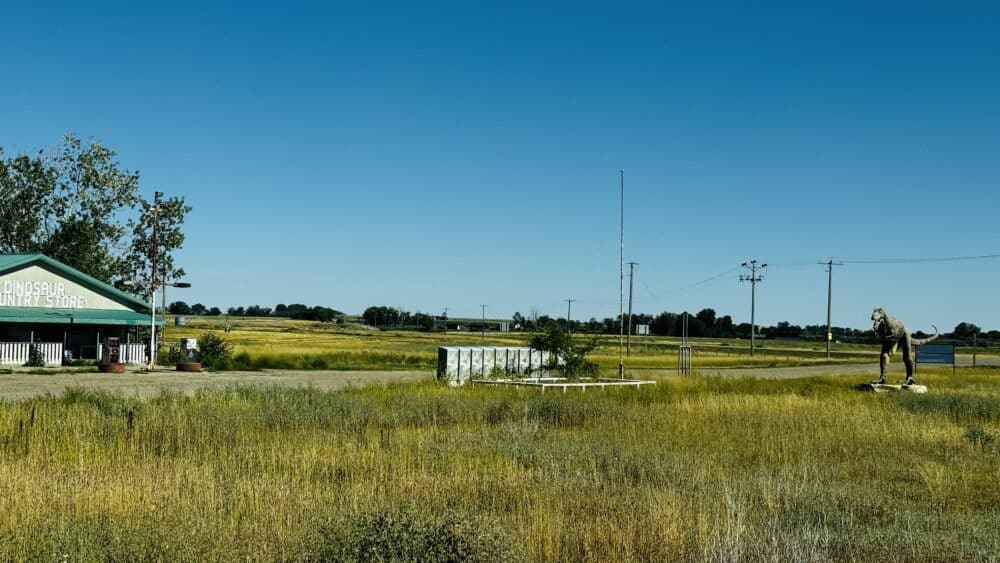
(919, 341)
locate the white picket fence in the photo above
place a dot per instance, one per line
(134, 354)
(16, 353)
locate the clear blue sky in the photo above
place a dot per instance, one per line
(433, 155)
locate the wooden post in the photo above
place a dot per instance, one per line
(974, 334)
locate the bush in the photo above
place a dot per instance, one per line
(407, 535)
(559, 343)
(214, 352)
(102, 538)
(35, 357)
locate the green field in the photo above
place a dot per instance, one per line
(272, 343)
(692, 468)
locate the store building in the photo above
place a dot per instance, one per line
(65, 313)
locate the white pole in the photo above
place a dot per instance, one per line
(621, 275)
(152, 284)
(152, 330)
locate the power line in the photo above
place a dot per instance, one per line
(919, 260)
(701, 282)
(649, 291)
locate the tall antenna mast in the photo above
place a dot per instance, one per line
(621, 275)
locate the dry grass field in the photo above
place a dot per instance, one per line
(693, 468)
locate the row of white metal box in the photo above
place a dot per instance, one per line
(458, 364)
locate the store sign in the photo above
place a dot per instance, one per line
(41, 288)
(20, 293)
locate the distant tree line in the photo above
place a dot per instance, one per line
(380, 316)
(182, 308)
(293, 311)
(706, 324)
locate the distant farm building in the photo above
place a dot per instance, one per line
(473, 325)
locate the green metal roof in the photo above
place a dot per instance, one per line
(73, 316)
(12, 262)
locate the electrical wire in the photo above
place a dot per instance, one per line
(700, 282)
(918, 260)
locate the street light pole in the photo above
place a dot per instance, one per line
(621, 274)
(152, 284)
(631, 285)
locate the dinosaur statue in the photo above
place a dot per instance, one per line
(893, 334)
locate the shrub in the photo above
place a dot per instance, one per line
(214, 352)
(407, 535)
(979, 437)
(35, 357)
(102, 538)
(559, 343)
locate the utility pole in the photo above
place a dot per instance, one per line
(621, 274)
(754, 279)
(974, 335)
(631, 285)
(829, 300)
(484, 323)
(569, 319)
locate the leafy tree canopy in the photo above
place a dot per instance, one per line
(77, 205)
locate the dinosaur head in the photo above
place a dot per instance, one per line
(878, 318)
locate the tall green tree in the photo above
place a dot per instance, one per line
(27, 185)
(555, 339)
(168, 216)
(76, 204)
(83, 225)
(706, 318)
(965, 330)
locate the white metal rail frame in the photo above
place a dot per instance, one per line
(544, 383)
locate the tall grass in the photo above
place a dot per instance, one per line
(689, 469)
(362, 359)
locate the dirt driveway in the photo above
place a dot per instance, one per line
(20, 385)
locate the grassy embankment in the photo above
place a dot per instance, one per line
(269, 343)
(689, 469)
